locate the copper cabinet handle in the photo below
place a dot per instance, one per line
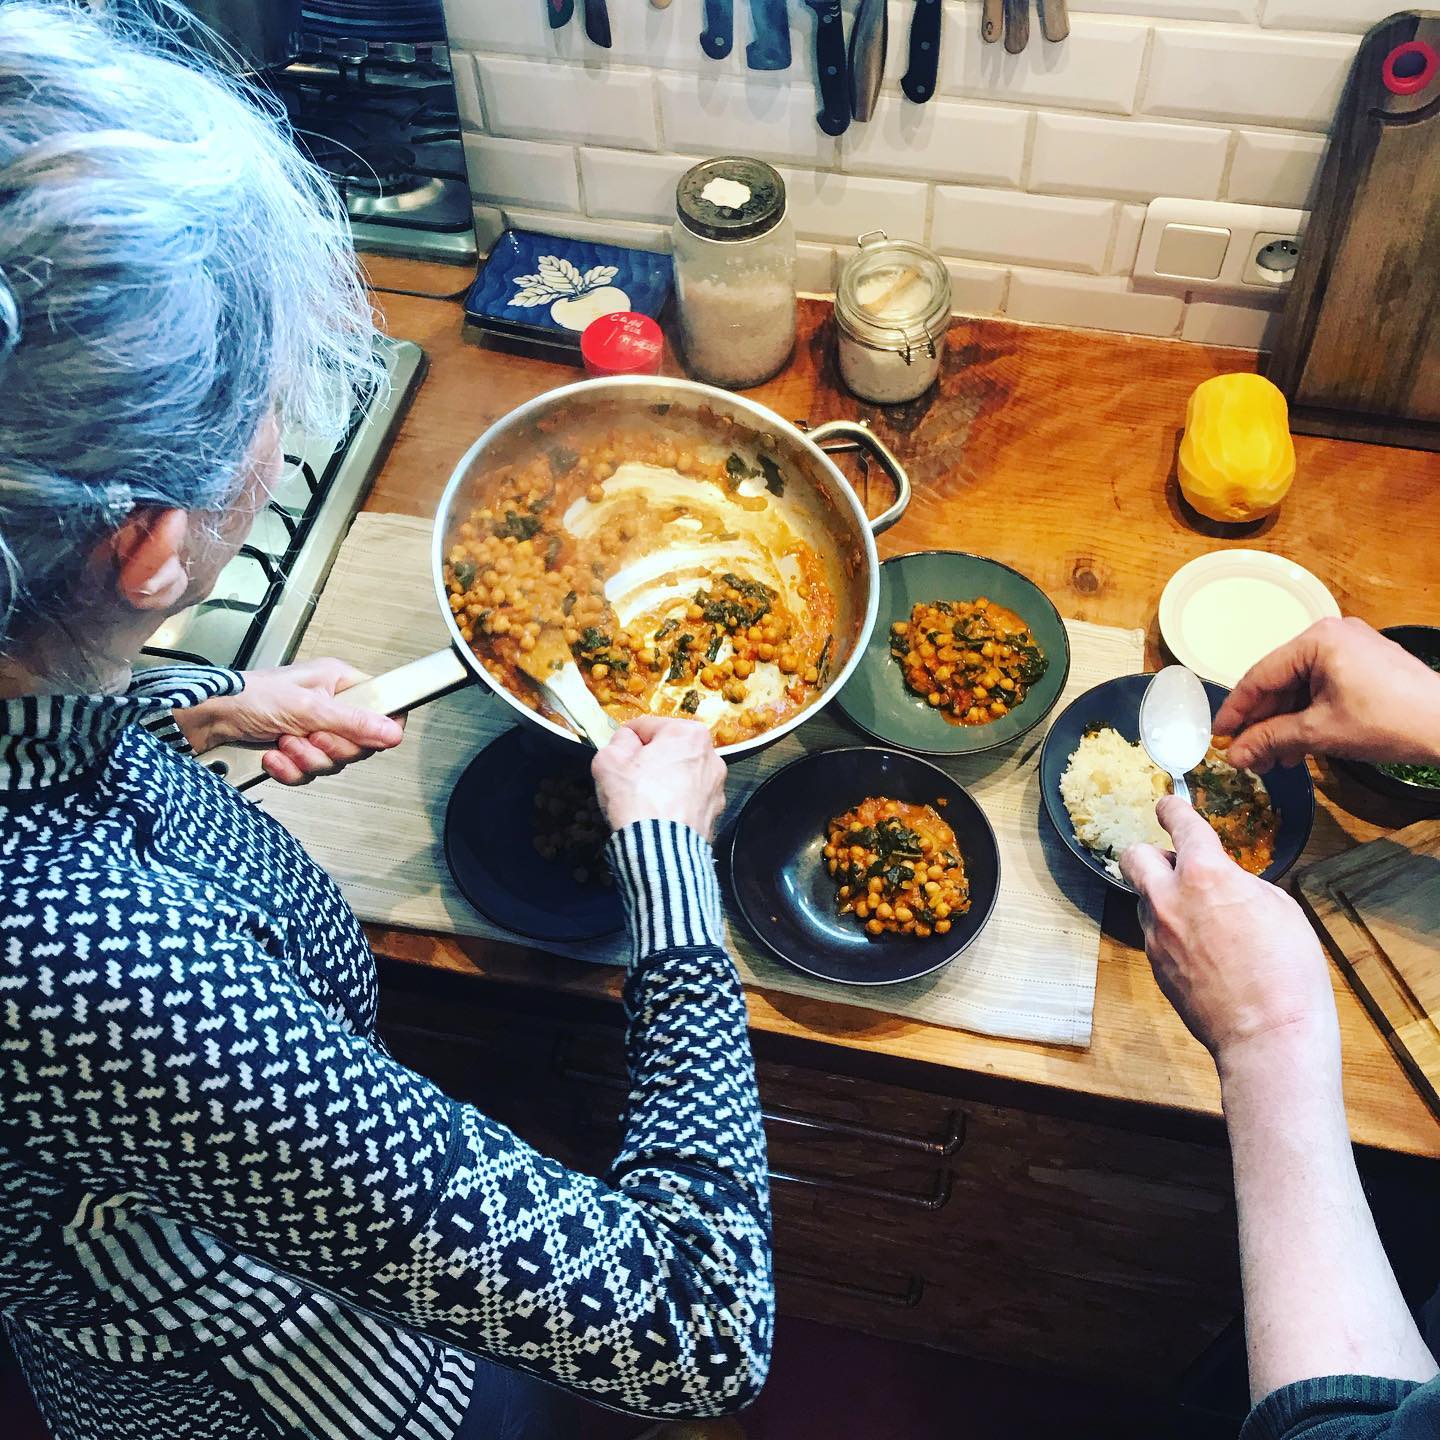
(937, 1199)
(906, 1299)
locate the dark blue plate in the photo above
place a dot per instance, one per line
(491, 853)
(1117, 703)
(778, 875)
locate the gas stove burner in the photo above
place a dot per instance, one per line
(375, 167)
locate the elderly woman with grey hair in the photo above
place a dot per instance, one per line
(224, 1211)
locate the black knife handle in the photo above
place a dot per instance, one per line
(560, 12)
(597, 23)
(919, 81)
(717, 39)
(770, 24)
(832, 67)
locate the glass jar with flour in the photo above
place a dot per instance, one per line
(892, 308)
(734, 272)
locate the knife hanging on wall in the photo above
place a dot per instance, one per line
(717, 39)
(597, 23)
(869, 40)
(919, 81)
(1054, 19)
(560, 12)
(831, 66)
(770, 26)
(1017, 25)
(992, 21)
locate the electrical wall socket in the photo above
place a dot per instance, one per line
(1252, 247)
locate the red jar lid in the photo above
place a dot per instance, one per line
(625, 343)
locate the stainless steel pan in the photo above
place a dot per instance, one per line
(815, 486)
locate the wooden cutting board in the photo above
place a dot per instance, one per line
(1378, 908)
(1358, 354)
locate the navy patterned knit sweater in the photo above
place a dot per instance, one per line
(226, 1212)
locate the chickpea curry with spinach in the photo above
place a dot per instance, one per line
(710, 640)
(897, 868)
(972, 660)
(1238, 807)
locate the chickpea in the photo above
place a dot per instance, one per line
(943, 673)
(884, 911)
(933, 698)
(812, 676)
(527, 643)
(934, 872)
(857, 852)
(862, 908)
(1006, 683)
(572, 635)
(942, 927)
(467, 633)
(829, 852)
(923, 931)
(875, 927)
(766, 652)
(599, 672)
(743, 669)
(844, 892)
(927, 651)
(457, 603)
(998, 708)
(901, 627)
(904, 914)
(988, 649)
(876, 885)
(941, 910)
(501, 625)
(788, 664)
(694, 612)
(734, 692)
(932, 887)
(832, 866)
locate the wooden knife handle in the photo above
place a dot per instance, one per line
(1054, 19)
(992, 21)
(1017, 25)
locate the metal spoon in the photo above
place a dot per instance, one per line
(1175, 723)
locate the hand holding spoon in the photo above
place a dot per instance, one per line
(1175, 723)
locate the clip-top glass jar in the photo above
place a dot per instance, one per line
(734, 271)
(892, 308)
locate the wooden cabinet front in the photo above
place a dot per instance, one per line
(987, 1229)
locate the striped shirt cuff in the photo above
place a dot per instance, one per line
(665, 873)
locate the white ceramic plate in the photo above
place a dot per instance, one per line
(1223, 612)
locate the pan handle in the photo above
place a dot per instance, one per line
(860, 437)
(393, 693)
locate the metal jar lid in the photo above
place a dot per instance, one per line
(731, 198)
(894, 295)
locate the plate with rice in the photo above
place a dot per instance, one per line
(1100, 788)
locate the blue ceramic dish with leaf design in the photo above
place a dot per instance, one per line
(546, 289)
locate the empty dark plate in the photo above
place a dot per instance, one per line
(778, 875)
(1117, 703)
(490, 849)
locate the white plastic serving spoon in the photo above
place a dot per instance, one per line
(1175, 723)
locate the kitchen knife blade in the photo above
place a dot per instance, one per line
(869, 40)
(919, 81)
(597, 23)
(1017, 25)
(992, 21)
(770, 23)
(718, 37)
(1054, 19)
(831, 65)
(560, 12)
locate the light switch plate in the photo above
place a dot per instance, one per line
(1192, 252)
(1250, 228)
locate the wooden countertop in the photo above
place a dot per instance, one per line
(1053, 451)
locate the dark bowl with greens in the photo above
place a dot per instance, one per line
(1419, 784)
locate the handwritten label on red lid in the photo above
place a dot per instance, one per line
(625, 343)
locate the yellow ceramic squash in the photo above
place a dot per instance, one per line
(1237, 459)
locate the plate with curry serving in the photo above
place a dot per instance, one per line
(926, 702)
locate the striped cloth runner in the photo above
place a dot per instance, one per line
(377, 827)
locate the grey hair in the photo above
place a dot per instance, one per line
(171, 269)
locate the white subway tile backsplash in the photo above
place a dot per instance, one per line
(1030, 229)
(1127, 240)
(941, 140)
(1030, 173)
(744, 117)
(523, 172)
(976, 289)
(815, 269)
(627, 185)
(1354, 15)
(531, 100)
(1080, 155)
(1103, 303)
(1250, 327)
(467, 91)
(1233, 74)
(844, 207)
(1096, 68)
(1274, 169)
(578, 227)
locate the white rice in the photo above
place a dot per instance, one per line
(1110, 788)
